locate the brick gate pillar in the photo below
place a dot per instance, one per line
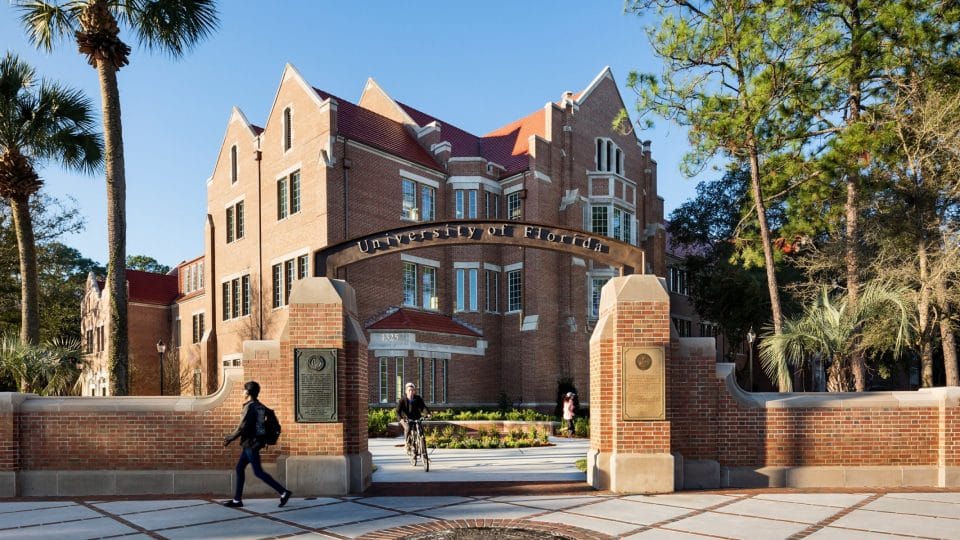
(318, 457)
(629, 351)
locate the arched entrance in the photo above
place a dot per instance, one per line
(628, 258)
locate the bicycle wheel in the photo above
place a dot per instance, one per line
(412, 448)
(423, 453)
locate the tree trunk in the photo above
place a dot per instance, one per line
(838, 376)
(116, 228)
(947, 336)
(852, 205)
(29, 282)
(923, 319)
(784, 382)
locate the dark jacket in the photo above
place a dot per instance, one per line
(411, 409)
(253, 414)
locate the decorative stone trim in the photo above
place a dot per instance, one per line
(552, 530)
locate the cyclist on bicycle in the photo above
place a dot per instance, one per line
(410, 407)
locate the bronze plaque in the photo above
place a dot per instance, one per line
(316, 384)
(644, 381)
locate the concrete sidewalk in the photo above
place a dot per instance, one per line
(570, 511)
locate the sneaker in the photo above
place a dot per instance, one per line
(233, 504)
(284, 497)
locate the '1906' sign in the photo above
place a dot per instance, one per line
(643, 384)
(316, 384)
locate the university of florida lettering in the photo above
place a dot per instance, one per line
(480, 233)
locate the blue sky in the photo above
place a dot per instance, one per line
(477, 65)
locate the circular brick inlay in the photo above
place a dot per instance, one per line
(484, 529)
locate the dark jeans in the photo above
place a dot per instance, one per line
(252, 456)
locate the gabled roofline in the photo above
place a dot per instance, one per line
(236, 115)
(372, 84)
(606, 72)
(291, 72)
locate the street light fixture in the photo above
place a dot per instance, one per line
(161, 348)
(750, 337)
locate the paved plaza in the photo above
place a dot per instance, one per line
(399, 505)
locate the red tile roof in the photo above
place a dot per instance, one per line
(150, 288)
(422, 321)
(509, 145)
(463, 144)
(370, 128)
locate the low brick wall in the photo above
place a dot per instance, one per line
(726, 437)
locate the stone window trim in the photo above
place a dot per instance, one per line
(289, 192)
(234, 165)
(418, 197)
(284, 271)
(235, 220)
(514, 281)
(466, 279)
(608, 156)
(286, 136)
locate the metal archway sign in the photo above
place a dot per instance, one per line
(628, 258)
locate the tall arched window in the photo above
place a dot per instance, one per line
(287, 129)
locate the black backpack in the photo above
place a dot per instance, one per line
(268, 427)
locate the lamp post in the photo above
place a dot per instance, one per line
(161, 348)
(750, 337)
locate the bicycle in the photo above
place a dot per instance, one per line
(417, 443)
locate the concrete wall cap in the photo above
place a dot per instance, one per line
(271, 347)
(698, 346)
(42, 404)
(634, 288)
(324, 291)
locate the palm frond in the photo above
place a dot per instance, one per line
(171, 26)
(47, 22)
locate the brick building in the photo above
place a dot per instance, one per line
(472, 325)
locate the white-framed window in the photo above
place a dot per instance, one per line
(678, 280)
(197, 327)
(287, 129)
(288, 195)
(192, 278)
(612, 221)
(609, 157)
(284, 273)
(233, 164)
(465, 206)
(514, 290)
(433, 379)
(427, 196)
(514, 208)
(596, 285)
(236, 297)
(709, 329)
(492, 289)
(466, 280)
(419, 280)
(384, 379)
(235, 222)
(398, 377)
(492, 204)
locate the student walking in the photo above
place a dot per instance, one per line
(569, 411)
(252, 420)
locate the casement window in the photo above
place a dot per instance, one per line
(424, 278)
(197, 327)
(465, 206)
(284, 274)
(287, 129)
(398, 377)
(708, 329)
(492, 288)
(609, 157)
(88, 341)
(426, 211)
(438, 383)
(384, 379)
(514, 210)
(514, 291)
(492, 204)
(235, 225)
(288, 195)
(236, 297)
(466, 280)
(678, 280)
(620, 227)
(192, 278)
(233, 164)
(596, 285)
(682, 326)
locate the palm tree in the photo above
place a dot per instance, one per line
(39, 121)
(173, 26)
(51, 369)
(838, 330)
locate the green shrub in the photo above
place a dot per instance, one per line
(581, 427)
(581, 464)
(377, 420)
